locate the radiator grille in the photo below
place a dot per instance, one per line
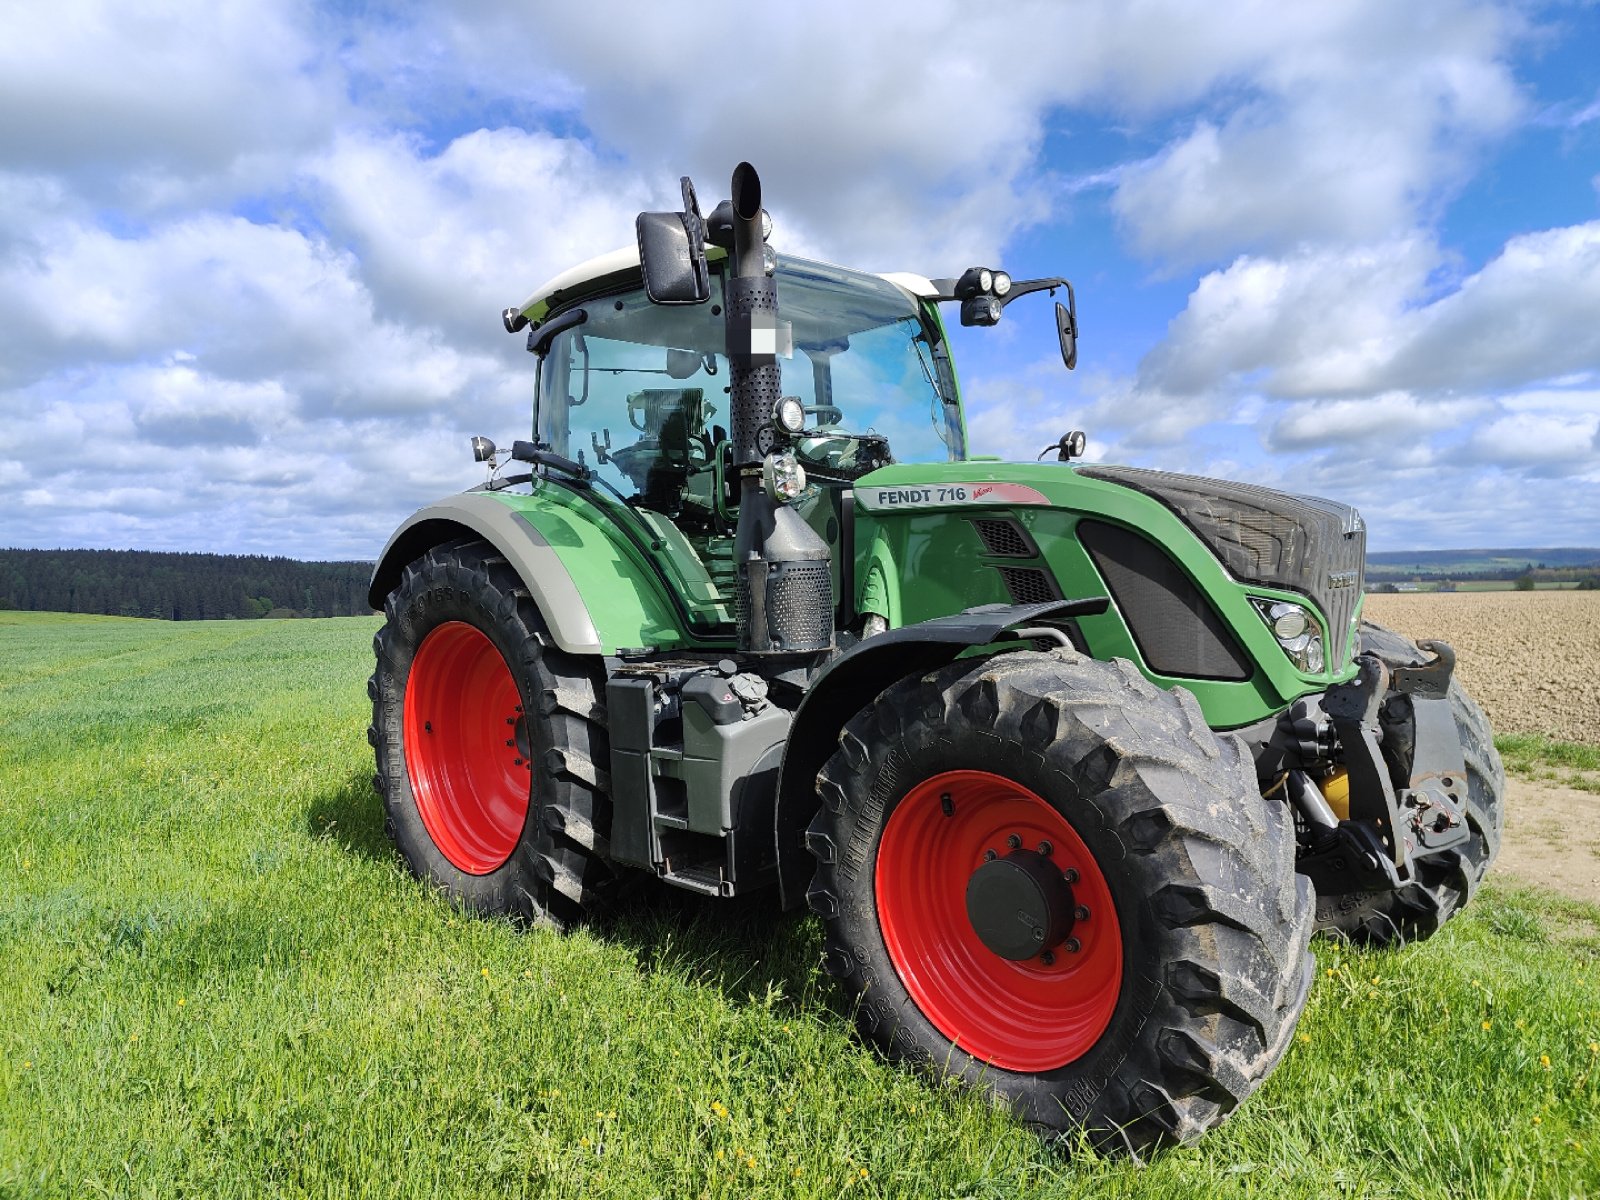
(1177, 631)
(1028, 585)
(1005, 539)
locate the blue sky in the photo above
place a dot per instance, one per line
(252, 256)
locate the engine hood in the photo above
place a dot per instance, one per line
(1303, 543)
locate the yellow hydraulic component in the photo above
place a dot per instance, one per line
(1336, 788)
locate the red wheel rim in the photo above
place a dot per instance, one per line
(1021, 1016)
(466, 747)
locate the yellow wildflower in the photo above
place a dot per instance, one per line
(1544, 1061)
(181, 1002)
(863, 1172)
(1488, 1024)
(1305, 1037)
(1538, 1120)
(720, 1156)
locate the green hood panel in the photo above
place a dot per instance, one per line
(922, 557)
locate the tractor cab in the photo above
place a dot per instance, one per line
(638, 394)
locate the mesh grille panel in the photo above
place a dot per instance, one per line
(1176, 629)
(1005, 539)
(800, 605)
(1028, 585)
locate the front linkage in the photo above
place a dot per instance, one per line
(1390, 737)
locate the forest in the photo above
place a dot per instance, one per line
(180, 587)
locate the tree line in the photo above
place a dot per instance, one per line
(180, 587)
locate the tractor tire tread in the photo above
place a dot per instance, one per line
(1214, 860)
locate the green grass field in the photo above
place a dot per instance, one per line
(217, 979)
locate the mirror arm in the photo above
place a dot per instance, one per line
(544, 332)
(1025, 287)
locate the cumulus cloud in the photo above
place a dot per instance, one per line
(448, 239)
(252, 257)
(154, 104)
(1344, 136)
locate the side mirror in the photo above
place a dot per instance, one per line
(1067, 329)
(672, 252)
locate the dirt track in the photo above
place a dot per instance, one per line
(1532, 659)
(1552, 839)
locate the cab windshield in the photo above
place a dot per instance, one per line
(639, 392)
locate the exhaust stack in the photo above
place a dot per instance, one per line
(785, 588)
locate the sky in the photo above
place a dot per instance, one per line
(253, 255)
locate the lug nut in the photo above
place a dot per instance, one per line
(1047, 957)
(1081, 913)
(1070, 874)
(1015, 841)
(1046, 849)
(947, 805)
(989, 856)
(1072, 945)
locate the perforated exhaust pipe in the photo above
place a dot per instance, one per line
(785, 588)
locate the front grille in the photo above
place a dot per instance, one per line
(1177, 631)
(1303, 543)
(1004, 538)
(1028, 585)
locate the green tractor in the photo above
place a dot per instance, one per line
(1070, 760)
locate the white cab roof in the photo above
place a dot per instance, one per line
(626, 259)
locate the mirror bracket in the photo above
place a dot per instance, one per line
(672, 252)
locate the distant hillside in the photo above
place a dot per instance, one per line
(191, 587)
(180, 587)
(1485, 564)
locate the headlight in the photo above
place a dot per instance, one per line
(789, 415)
(1297, 632)
(1002, 283)
(783, 476)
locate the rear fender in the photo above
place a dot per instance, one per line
(852, 681)
(476, 515)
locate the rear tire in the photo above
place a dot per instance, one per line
(1445, 881)
(1192, 965)
(487, 742)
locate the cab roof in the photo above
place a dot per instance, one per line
(620, 268)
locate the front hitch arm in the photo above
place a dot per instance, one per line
(1355, 708)
(1436, 796)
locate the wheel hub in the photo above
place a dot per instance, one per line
(1021, 905)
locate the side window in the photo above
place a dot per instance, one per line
(646, 418)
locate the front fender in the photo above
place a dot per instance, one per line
(852, 681)
(478, 515)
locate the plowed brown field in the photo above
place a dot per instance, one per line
(1532, 659)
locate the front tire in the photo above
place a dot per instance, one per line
(1190, 964)
(487, 742)
(1446, 881)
